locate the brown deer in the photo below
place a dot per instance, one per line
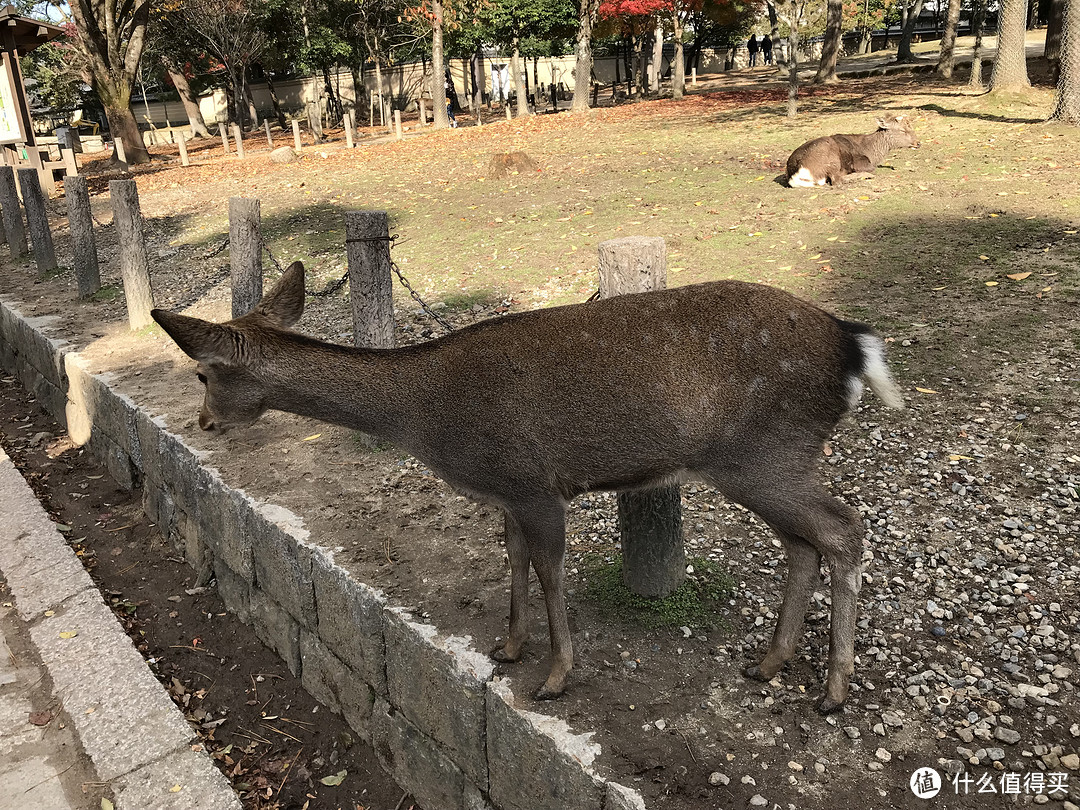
(739, 384)
(835, 158)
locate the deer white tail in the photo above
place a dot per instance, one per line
(876, 373)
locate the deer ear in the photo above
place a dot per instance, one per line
(200, 340)
(285, 303)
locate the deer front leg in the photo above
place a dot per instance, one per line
(518, 553)
(803, 577)
(544, 531)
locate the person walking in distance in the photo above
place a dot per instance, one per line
(766, 49)
(752, 49)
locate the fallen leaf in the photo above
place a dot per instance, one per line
(175, 789)
(935, 289)
(991, 284)
(925, 390)
(334, 780)
(40, 718)
(960, 458)
(1019, 276)
(312, 437)
(69, 634)
(984, 258)
(106, 804)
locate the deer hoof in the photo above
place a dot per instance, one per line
(757, 673)
(827, 705)
(503, 657)
(544, 693)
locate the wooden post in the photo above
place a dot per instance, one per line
(224, 133)
(11, 211)
(693, 77)
(315, 121)
(371, 110)
(238, 137)
(650, 521)
(296, 135)
(349, 142)
(120, 154)
(367, 244)
(269, 137)
(83, 246)
(134, 266)
(422, 112)
(509, 115)
(181, 141)
(245, 254)
(37, 220)
(397, 124)
(71, 165)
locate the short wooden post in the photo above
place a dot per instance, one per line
(693, 77)
(479, 120)
(397, 124)
(269, 137)
(367, 244)
(71, 164)
(554, 98)
(11, 211)
(245, 254)
(296, 135)
(37, 220)
(510, 115)
(422, 112)
(83, 245)
(315, 121)
(134, 267)
(650, 521)
(181, 141)
(238, 137)
(349, 142)
(120, 154)
(371, 110)
(224, 133)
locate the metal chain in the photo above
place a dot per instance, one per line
(270, 253)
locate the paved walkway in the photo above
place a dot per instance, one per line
(81, 716)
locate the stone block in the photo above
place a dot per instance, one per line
(275, 628)
(351, 621)
(415, 761)
(201, 785)
(223, 522)
(335, 685)
(234, 590)
(107, 689)
(439, 684)
(282, 559)
(622, 798)
(536, 762)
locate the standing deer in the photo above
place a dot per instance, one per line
(739, 384)
(834, 158)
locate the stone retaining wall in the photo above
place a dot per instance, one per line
(448, 731)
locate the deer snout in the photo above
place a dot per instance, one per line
(206, 421)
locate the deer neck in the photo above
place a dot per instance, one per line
(361, 389)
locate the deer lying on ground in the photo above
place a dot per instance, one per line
(739, 384)
(834, 158)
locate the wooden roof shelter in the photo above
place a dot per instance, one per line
(18, 37)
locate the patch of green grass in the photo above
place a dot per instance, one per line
(107, 293)
(466, 299)
(694, 603)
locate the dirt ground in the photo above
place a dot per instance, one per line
(267, 734)
(969, 496)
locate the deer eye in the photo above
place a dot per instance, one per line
(202, 377)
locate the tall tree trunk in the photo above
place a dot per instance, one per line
(903, 50)
(978, 15)
(793, 62)
(521, 81)
(774, 31)
(1067, 109)
(830, 49)
(476, 72)
(249, 101)
(678, 69)
(657, 58)
(947, 54)
(236, 79)
(439, 118)
(122, 122)
(191, 104)
(1010, 66)
(333, 102)
(278, 112)
(1052, 49)
(583, 55)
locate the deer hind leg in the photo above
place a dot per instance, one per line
(803, 578)
(518, 553)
